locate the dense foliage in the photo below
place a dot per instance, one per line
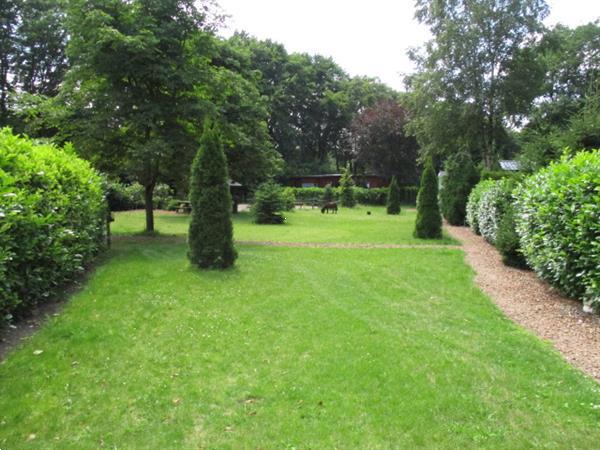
(558, 221)
(52, 221)
(507, 239)
(364, 196)
(347, 189)
(393, 197)
(472, 208)
(429, 220)
(211, 231)
(457, 184)
(382, 144)
(477, 73)
(328, 194)
(492, 205)
(123, 197)
(269, 203)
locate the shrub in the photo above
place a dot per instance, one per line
(460, 178)
(429, 220)
(393, 198)
(269, 203)
(289, 198)
(162, 196)
(507, 240)
(347, 189)
(52, 221)
(210, 236)
(558, 222)
(472, 209)
(328, 195)
(492, 205)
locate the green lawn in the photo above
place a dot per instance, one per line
(349, 226)
(293, 348)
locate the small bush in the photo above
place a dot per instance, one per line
(347, 189)
(558, 222)
(460, 178)
(210, 237)
(52, 221)
(429, 220)
(393, 198)
(269, 204)
(328, 195)
(472, 209)
(289, 198)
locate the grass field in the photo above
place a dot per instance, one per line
(349, 226)
(293, 348)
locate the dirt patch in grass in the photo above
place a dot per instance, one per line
(532, 303)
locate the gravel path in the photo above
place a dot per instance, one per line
(534, 304)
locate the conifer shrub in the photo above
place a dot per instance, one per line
(429, 221)
(269, 204)
(210, 236)
(558, 222)
(460, 178)
(52, 221)
(328, 195)
(289, 198)
(393, 197)
(347, 189)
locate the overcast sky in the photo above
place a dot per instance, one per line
(363, 37)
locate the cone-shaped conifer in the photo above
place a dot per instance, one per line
(393, 198)
(429, 220)
(211, 231)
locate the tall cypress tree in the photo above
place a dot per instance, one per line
(429, 220)
(460, 178)
(211, 231)
(393, 198)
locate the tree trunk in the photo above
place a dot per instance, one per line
(148, 199)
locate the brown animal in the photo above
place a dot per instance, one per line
(332, 206)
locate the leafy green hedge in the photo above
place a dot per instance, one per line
(372, 196)
(473, 204)
(558, 221)
(52, 220)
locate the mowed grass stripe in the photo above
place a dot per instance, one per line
(349, 226)
(305, 348)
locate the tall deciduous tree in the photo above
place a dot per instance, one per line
(131, 86)
(211, 230)
(474, 74)
(382, 144)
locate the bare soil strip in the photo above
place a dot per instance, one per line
(532, 303)
(342, 245)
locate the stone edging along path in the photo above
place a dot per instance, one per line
(533, 304)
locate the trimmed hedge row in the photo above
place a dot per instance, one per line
(372, 196)
(52, 220)
(549, 222)
(558, 221)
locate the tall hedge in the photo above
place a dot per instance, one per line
(472, 208)
(558, 222)
(393, 198)
(52, 221)
(460, 178)
(429, 221)
(210, 236)
(347, 189)
(493, 204)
